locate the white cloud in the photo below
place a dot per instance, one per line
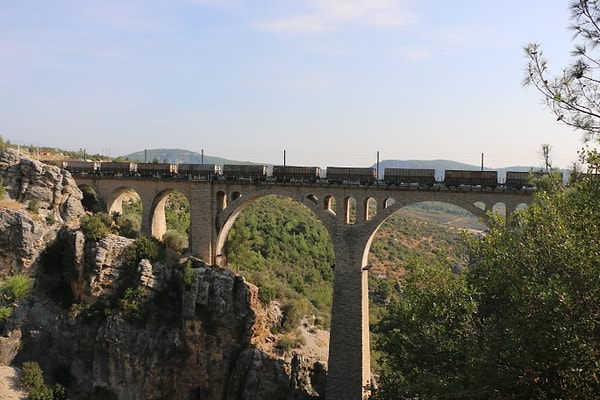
(332, 15)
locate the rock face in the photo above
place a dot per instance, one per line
(53, 189)
(39, 199)
(203, 334)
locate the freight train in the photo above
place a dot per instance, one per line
(399, 177)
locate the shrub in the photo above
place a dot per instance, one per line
(12, 289)
(2, 190)
(266, 293)
(129, 225)
(16, 287)
(50, 219)
(132, 304)
(34, 206)
(175, 240)
(188, 273)
(94, 228)
(143, 247)
(33, 381)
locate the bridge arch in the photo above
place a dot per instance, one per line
(392, 204)
(234, 208)
(114, 204)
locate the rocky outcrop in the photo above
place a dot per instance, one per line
(53, 190)
(202, 345)
(39, 200)
(207, 337)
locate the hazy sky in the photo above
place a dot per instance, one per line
(330, 81)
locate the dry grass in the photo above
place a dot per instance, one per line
(11, 204)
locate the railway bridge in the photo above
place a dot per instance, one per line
(351, 214)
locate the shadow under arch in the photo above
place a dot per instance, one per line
(91, 201)
(158, 220)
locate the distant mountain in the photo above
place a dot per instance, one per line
(179, 156)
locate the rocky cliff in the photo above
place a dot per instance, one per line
(193, 331)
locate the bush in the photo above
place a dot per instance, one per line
(94, 228)
(143, 247)
(34, 206)
(175, 240)
(12, 290)
(132, 304)
(188, 273)
(2, 190)
(50, 219)
(33, 381)
(129, 225)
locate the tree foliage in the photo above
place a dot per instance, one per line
(33, 380)
(574, 95)
(13, 289)
(522, 321)
(281, 247)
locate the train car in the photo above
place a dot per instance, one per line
(287, 173)
(118, 168)
(78, 167)
(199, 171)
(517, 180)
(407, 176)
(245, 172)
(456, 178)
(157, 170)
(362, 176)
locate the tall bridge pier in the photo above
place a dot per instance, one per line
(214, 206)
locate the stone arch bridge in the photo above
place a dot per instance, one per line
(214, 206)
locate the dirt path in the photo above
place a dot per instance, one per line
(9, 389)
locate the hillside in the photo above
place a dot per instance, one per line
(177, 156)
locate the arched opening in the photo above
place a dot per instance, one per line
(126, 212)
(174, 209)
(349, 210)
(314, 199)
(221, 200)
(235, 196)
(91, 202)
(499, 209)
(279, 245)
(329, 204)
(370, 208)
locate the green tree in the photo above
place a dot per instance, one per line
(574, 95)
(429, 339)
(95, 227)
(175, 240)
(524, 321)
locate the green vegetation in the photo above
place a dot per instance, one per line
(2, 189)
(177, 214)
(96, 227)
(34, 206)
(520, 321)
(33, 381)
(13, 289)
(281, 247)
